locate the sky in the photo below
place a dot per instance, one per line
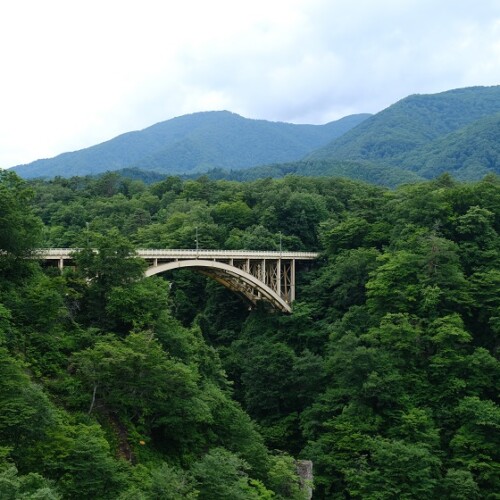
(75, 73)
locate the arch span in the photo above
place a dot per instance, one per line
(232, 277)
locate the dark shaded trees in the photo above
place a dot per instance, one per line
(386, 375)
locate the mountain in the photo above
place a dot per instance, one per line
(195, 143)
(418, 137)
(412, 132)
(468, 153)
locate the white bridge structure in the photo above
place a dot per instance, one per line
(255, 275)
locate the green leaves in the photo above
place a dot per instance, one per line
(89, 470)
(31, 486)
(222, 475)
(476, 443)
(111, 264)
(283, 478)
(136, 377)
(233, 214)
(424, 280)
(20, 230)
(386, 375)
(138, 305)
(394, 470)
(26, 412)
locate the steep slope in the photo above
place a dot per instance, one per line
(469, 153)
(195, 142)
(411, 123)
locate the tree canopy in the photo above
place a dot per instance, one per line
(386, 376)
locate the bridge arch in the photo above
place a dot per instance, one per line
(254, 274)
(233, 278)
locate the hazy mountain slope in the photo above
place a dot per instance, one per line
(468, 153)
(195, 142)
(412, 122)
(243, 143)
(372, 173)
(360, 170)
(455, 131)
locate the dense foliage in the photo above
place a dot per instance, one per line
(386, 375)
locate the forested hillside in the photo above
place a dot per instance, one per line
(365, 171)
(360, 170)
(386, 375)
(413, 134)
(412, 122)
(470, 152)
(195, 143)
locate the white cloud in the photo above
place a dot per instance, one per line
(78, 73)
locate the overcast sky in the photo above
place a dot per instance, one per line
(78, 72)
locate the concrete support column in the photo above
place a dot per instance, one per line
(278, 278)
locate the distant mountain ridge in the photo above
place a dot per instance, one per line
(195, 143)
(470, 152)
(417, 138)
(412, 122)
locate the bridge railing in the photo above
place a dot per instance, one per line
(55, 251)
(187, 253)
(244, 254)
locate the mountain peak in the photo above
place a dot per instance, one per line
(195, 142)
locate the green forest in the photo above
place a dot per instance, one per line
(386, 375)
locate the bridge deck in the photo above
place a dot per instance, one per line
(66, 253)
(255, 274)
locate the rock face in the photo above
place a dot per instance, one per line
(305, 472)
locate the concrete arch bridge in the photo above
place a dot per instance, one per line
(255, 275)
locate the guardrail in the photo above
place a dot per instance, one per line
(58, 253)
